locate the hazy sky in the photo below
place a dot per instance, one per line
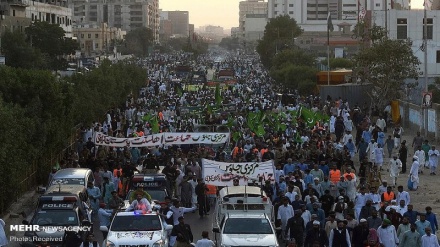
(218, 12)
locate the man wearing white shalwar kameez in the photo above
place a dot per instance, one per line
(285, 212)
(433, 159)
(414, 172)
(332, 124)
(394, 166)
(378, 156)
(370, 150)
(429, 239)
(387, 234)
(421, 154)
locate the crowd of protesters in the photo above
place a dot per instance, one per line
(328, 188)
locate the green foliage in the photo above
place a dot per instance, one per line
(39, 111)
(435, 89)
(229, 43)
(339, 63)
(386, 64)
(19, 53)
(292, 68)
(279, 34)
(138, 41)
(365, 33)
(49, 39)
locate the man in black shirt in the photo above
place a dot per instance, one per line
(200, 191)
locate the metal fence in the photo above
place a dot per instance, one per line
(38, 171)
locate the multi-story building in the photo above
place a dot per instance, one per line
(127, 15)
(409, 25)
(179, 21)
(235, 32)
(250, 7)
(311, 15)
(291, 8)
(254, 26)
(18, 14)
(97, 39)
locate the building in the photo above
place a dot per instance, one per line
(254, 26)
(179, 21)
(97, 39)
(18, 14)
(127, 15)
(235, 32)
(404, 24)
(250, 7)
(311, 15)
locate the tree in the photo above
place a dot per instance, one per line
(138, 41)
(435, 89)
(279, 34)
(19, 54)
(50, 40)
(339, 63)
(294, 69)
(229, 43)
(385, 64)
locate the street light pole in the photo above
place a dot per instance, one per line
(425, 61)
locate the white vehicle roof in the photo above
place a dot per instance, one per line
(246, 215)
(240, 191)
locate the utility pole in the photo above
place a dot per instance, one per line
(425, 62)
(386, 18)
(328, 44)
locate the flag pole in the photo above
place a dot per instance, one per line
(328, 56)
(328, 45)
(425, 61)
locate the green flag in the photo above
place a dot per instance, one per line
(236, 136)
(179, 90)
(308, 116)
(218, 97)
(260, 131)
(230, 122)
(146, 118)
(298, 137)
(154, 125)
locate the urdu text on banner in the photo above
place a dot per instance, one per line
(223, 173)
(161, 139)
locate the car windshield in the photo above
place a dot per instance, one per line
(56, 218)
(247, 226)
(136, 222)
(157, 194)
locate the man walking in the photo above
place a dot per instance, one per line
(433, 159)
(201, 190)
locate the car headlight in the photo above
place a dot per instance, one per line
(110, 244)
(159, 243)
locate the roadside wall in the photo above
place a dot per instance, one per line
(413, 119)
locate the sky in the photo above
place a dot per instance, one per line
(218, 12)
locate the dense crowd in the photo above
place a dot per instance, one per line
(328, 189)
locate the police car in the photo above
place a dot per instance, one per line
(56, 213)
(137, 228)
(153, 184)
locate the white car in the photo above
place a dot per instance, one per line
(246, 229)
(137, 229)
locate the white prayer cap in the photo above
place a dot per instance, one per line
(315, 222)
(363, 220)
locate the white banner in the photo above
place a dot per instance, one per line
(223, 174)
(161, 139)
